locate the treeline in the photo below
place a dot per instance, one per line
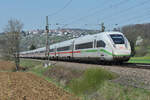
(132, 32)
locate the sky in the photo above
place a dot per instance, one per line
(87, 14)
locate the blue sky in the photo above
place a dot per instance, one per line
(32, 13)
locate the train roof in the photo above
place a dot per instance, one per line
(63, 43)
(108, 33)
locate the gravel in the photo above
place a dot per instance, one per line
(139, 78)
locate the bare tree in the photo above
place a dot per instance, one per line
(12, 36)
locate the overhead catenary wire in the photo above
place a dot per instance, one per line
(121, 12)
(89, 10)
(61, 9)
(94, 13)
(136, 18)
(133, 18)
(129, 20)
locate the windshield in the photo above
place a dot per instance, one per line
(117, 38)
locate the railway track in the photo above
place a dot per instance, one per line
(136, 65)
(124, 65)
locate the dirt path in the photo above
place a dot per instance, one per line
(7, 66)
(26, 86)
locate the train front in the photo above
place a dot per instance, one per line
(121, 47)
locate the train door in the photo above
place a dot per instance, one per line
(55, 50)
(100, 44)
(96, 53)
(72, 48)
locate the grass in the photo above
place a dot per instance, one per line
(90, 81)
(140, 60)
(36, 67)
(112, 91)
(29, 63)
(95, 82)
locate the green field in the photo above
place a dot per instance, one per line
(140, 60)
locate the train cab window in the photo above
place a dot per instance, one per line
(63, 48)
(101, 43)
(84, 45)
(117, 38)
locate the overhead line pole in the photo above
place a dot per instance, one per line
(47, 43)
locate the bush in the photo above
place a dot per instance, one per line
(142, 51)
(62, 74)
(90, 81)
(113, 91)
(29, 63)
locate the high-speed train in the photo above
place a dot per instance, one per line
(101, 47)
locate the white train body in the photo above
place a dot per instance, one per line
(105, 46)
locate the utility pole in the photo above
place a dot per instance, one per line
(102, 27)
(47, 43)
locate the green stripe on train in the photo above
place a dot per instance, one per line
(103, 50)
(109, 53)
(89, 51)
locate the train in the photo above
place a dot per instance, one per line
(100, 47)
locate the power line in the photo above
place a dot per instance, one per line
(129, 20)
(90, 9)
(94, 13)
(118, 13)
(124, 11)
(137, 18)
(132, 18)
(60, 10)
(133, 7)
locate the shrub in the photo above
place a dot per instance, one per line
(142, 51)
(90, 81)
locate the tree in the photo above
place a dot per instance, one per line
(12, 36)
(2, 43)
(32, 47)
(132, 32)
(132, 48)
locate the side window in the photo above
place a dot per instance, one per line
(63, 48)
(51, 50)
(84, 45)
(42, 51)
(101, 43)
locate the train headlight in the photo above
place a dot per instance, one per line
(115, 53)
